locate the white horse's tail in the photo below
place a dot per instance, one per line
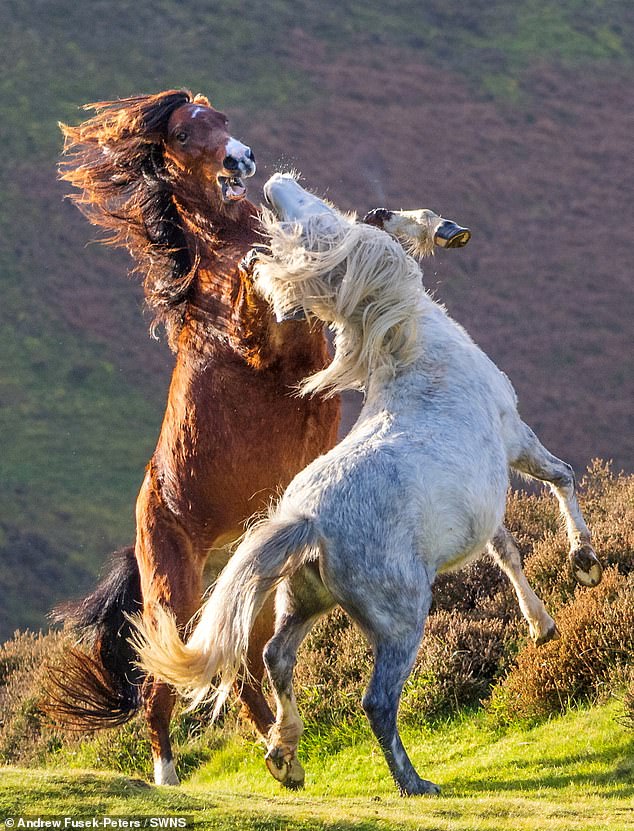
(270, 551)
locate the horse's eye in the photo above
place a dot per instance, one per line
(181, 137)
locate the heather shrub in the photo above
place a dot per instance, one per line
(474, 587)
(333, 668)
(460, 658)
(595, 646)
(607, 500)
(24, 733)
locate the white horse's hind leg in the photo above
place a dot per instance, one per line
(393, 662)
(534, 460)
(505, 553)
(389, 598)
(281, 757)
(300, 602)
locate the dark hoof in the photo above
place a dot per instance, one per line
(293, 784)
(450, 235)
(586, 568)
(249, 261)
(285, 768)
(422, 788)
(296, 314)
(551, 635)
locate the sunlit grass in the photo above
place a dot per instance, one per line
(574, 772)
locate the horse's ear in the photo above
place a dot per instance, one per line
(202, 100)
(155, 110)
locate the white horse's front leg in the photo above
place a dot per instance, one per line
(534, 460)
(506, 554)
(419, 230)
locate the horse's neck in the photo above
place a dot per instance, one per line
(224, 310)
(443, 344)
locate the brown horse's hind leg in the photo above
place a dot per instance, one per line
(159, 700)
(171, 575)
(249, 689)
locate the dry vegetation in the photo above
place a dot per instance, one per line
(475, 649)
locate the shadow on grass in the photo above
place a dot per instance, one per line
(617, 764)
(86, 795)
(33, 791)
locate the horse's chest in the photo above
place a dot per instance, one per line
(259, 435)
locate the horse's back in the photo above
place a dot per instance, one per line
(427, 460)
(393, 486)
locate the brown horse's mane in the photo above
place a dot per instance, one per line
(115, 160)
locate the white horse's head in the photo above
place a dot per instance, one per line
(353, 276)
(291, 202)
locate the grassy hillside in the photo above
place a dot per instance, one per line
(573, 773)
(518, 736)
(512, 118)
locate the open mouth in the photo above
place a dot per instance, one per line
(232, 187)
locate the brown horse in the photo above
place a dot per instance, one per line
(163, 175)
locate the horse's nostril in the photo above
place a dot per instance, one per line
(230, 163)
(250, 155)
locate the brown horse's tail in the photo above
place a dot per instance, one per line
(97, 684)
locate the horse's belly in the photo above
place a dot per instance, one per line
(450, 546)
(459, 515)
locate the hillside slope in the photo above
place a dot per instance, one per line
(572, 773)
(514, 121)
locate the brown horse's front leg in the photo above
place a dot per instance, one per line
(249, 689)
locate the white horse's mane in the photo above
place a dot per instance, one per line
(357, 279)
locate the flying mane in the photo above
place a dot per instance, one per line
(358, 280)
(116, 162)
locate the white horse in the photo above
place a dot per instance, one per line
(417, 487)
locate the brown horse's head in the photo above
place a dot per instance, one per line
(197, 145)
(145, 167)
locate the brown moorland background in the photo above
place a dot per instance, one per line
(514, 121)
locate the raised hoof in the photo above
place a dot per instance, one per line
(551, 635)
(250, 259)
(422, 788)
(285, 768)
(378, 217)
(586, 568)
(450, 235)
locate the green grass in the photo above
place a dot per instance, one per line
(574, 772)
